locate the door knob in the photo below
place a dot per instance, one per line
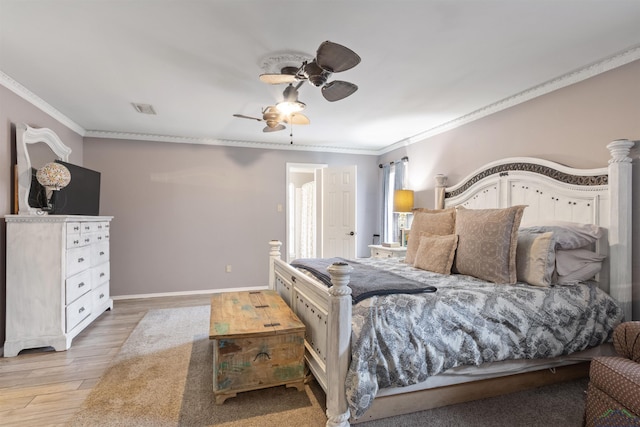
(353, 233)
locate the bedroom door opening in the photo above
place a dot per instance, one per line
(304, 210)
(321, 212)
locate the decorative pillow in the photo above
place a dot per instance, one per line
(535, 258)
(577, 265)
(569, 235)
(436, 253)
(487, 241)
(439, 222)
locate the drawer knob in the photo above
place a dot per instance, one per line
(80, 259)
(75, 242)
(81, 284)
(99, 237)
(81, 310)
(101, 296)
(101, 274)
(87, 240)
(76, 228)
(101, 252)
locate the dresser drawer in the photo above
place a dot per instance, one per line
(88, 227)
(78, 310)
(101, 236)
(73, 228)
(100, 296)
(100, 274)
(78, 259)
(77, 285)
(99, 253)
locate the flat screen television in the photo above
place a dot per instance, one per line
(80, 197)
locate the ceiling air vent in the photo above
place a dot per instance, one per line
(144, 108)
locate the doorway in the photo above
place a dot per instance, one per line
(304, 210)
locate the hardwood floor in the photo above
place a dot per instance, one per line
(42, 387)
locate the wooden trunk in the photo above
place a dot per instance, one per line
(258, 342)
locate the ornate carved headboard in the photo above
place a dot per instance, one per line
(553, 191)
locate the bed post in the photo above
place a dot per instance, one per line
(441, 184)
(339, 344)
(620, 229)
(274, 254)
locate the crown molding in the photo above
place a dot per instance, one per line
(38, 102)
(228, 143)
(614, 61)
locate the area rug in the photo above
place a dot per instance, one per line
(162, 376)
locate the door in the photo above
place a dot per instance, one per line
(339, 212)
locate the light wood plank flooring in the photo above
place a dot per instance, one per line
(45, 388)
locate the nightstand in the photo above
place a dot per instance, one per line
(379, 251)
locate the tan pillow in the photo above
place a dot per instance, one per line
(437, 221)
(436, 253)
(535, 258)
(487, 241)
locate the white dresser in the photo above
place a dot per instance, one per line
(57, 278)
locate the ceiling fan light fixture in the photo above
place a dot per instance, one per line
(290, 104)
(290, 107)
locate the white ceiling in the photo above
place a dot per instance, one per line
(426, 65)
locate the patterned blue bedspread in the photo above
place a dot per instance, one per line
(399, 340)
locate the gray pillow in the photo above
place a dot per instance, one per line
(568, 235)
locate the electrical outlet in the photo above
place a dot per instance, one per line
(228, 268)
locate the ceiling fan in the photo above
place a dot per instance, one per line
(330, 58)
(273, 118)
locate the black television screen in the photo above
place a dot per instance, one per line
(82, 195)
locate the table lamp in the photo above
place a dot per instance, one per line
(53, 177)
(402, 205)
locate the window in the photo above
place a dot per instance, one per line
(393, 178)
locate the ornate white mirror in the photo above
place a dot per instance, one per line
(29, 138)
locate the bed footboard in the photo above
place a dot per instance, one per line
(326, 313)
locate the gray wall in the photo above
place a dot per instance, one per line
(184, 212)
(571, 126)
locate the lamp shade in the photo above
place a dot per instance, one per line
(403, 201)
(53, 175)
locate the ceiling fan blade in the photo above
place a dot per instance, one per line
(274, 129)
(276, 79)
(336, 58)
(297, 119)
(337, 90)
(242, 116)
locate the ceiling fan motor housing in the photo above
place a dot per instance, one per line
(316, 75)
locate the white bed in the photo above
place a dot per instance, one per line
(551, 192)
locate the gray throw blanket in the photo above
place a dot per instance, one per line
(365, 281)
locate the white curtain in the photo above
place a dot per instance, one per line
(307, 242)
(393, 178)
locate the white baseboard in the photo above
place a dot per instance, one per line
(175, 294)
